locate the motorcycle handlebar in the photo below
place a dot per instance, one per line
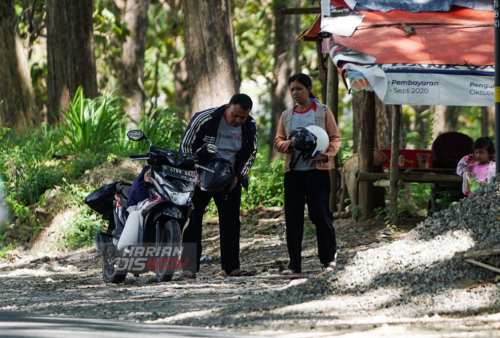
(204, 168)
(139, 156)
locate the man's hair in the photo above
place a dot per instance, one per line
(484, 142)
(243, 100)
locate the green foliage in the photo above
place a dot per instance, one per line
(25, 174)
(446, 200)
(253, 32)
(345, 150)
(357, 213)
(5, 249)
(92, 124)
(390, 218)
(109, 34)
(417, 127)
(163, 128)
(265, 184)
(469, 122)
(29, 169)
(412, 201)
(78, 231)
(419, 198)
(309, 228)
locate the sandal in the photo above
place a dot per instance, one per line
(241, 273)
(332, 265)
(186, 275)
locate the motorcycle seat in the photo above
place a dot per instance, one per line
(123, 189)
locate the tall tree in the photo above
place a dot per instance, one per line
(210, 53)
(132, 70)
(70, 53)
(286, 63)
(383, 125)
(179, 67)
(446, 118)
(17, 99)
(423, 120)
(487, 115)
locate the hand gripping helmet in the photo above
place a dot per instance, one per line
(322, 140)
(222, 177)
(311, 141)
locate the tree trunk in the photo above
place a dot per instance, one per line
(17, 98)
(383, 125)
(286, 56)
(421, 125)
(485, 121)
(358, 104)
(179, 67)
(491, 117)
(70, 53)
(210, 53)
(366, 112)
(446, 118)
(132, 70)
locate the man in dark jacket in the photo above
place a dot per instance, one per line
(234, 132)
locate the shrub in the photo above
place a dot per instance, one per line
(163, 128)
(92, 124)
(265, 184)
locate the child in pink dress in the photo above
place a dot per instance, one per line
(478, 167)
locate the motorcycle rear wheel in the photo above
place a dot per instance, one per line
(168, 235)
(110, 272)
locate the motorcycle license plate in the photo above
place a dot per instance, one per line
(182, 174)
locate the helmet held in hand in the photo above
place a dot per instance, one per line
(311, 141)
(322, 140)
(222, 177)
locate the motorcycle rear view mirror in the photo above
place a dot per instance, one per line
(212, 148)
(136, 135)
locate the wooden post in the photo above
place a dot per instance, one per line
(365, 157)
(411, 177)
(322, 70)
(394, 172)
(295, 11)
(332, 101)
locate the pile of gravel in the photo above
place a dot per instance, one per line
(419, 275)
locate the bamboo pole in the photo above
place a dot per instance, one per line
(475, 253)
(486, 266)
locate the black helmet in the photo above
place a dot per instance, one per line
(305, 141)
(222, 177)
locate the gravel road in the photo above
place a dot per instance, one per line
(407, 284)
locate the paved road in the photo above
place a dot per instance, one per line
(17, 325)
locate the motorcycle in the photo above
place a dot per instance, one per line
(154, 241)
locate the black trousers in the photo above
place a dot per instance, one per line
(313, 187)
(229, 228)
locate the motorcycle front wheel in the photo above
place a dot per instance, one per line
(168, 240)
(110, 271)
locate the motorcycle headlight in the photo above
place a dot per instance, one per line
(177, 191)
(180, 198)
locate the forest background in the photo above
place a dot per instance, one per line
(76, 75)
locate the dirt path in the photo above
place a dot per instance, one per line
(268, 303)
